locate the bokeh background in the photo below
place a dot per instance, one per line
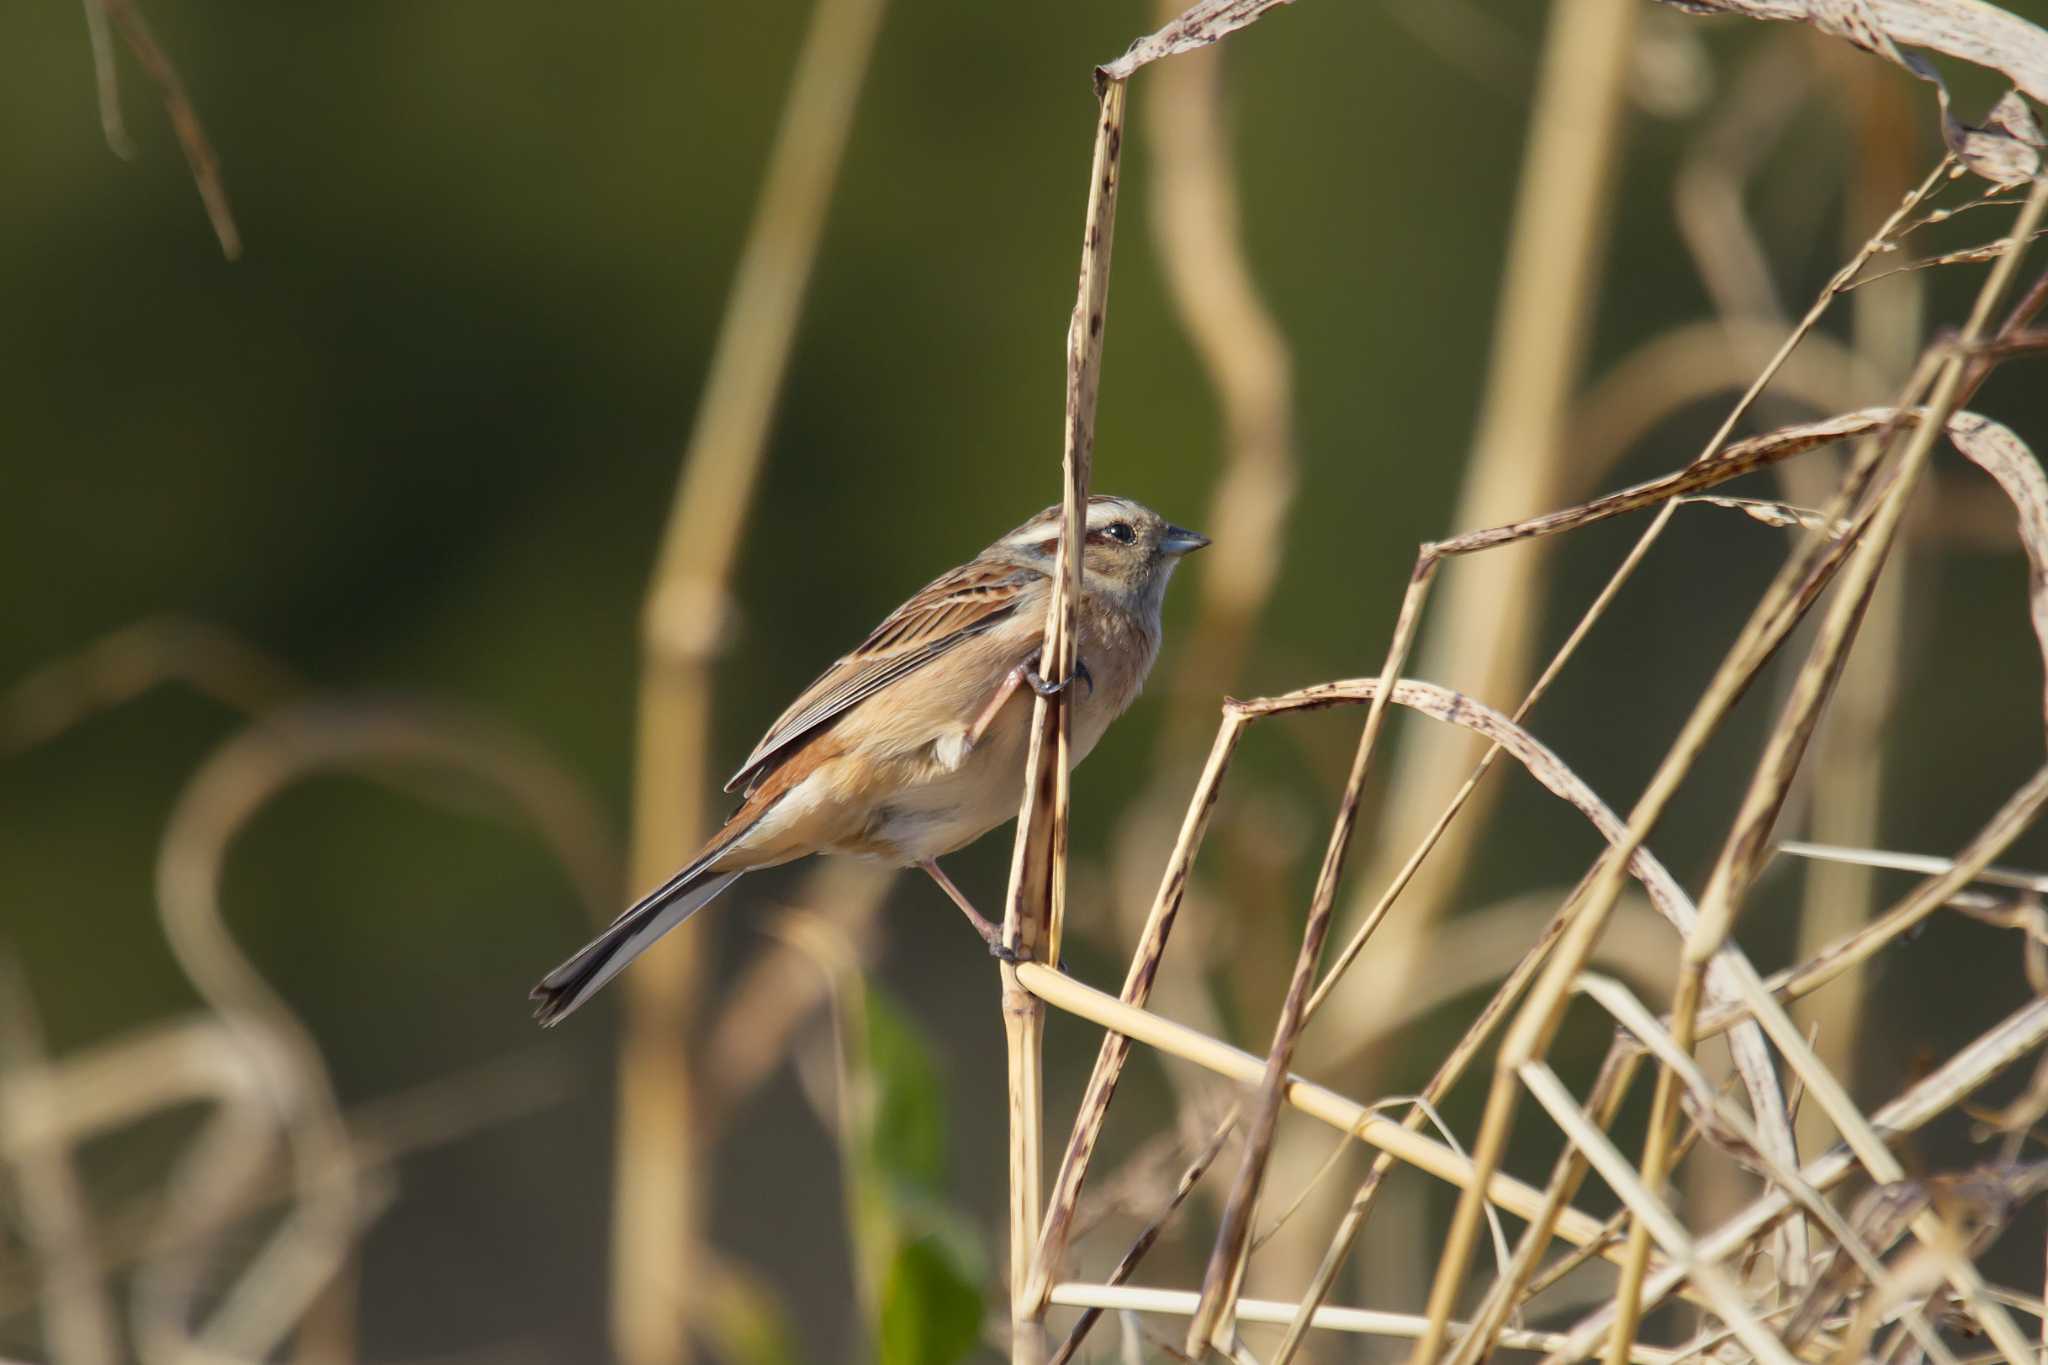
(420, 442)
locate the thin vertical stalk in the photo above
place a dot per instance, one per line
(1137, 990)
(657, 1200)
(1212, 1320)
(1034, 909)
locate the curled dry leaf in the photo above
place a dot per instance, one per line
(1879, 1218)
(1779, 514)
(2006, 148)
(1994, 448)
(1975, 1204)
(1199, 26)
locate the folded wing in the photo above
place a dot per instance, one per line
(947, 612)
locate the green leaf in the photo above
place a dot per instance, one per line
(930, 1309)
(907, 1133)
(749, 1324)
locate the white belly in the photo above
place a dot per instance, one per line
(969, 793)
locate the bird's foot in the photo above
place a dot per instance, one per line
(1003, 952)
(1038, 684)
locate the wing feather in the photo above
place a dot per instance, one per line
(944, 614)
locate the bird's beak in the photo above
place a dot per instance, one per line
(1179, 540)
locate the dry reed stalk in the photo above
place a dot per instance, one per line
(1196, 222)
(1733, 1128)
(300, 1257)
(2012, 818)
(1795, 592)
(1034, 909)
(55, 1220)
(125, 663)
(107, 81)
(1848, 765)
(1746, 846)
(1610, 1088)
(1227, 1259)
(1318, 1102)
(1701, 474)
(1720, 1289)
(1784, 353)
(330, 1199)
(656, 1208)
(1743, 852)
(1137, 990)
(1794, 587)
(198, 1061)
(1740, 456)
(1993, 1051)
(1128, 1265)
(1803, 574)
(1547, 768)
(126, 16)
(1362, 1321)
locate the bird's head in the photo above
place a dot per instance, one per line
(1129, 550)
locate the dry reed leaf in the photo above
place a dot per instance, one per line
(1202, 24)
(1969, 29)
(1994, 448)
(1729, 462)
(2006, 149)
(1782, 515)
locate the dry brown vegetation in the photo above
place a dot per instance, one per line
(1833, 1251)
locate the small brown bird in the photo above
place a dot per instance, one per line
(914, 744)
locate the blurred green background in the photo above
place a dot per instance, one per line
(421, 440)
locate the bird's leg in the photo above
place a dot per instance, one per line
(1048, 689)
(1013, 680)
(991, 934)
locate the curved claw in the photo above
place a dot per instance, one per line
(1036, 681)
(1003, 952)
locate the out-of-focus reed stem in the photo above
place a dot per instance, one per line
(657, 1200)
(1486, 620)
(1197, 224)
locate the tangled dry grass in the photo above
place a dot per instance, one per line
(1833, 1249)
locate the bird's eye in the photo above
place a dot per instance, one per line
(1121, 530)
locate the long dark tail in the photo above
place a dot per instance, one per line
(565, 988)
